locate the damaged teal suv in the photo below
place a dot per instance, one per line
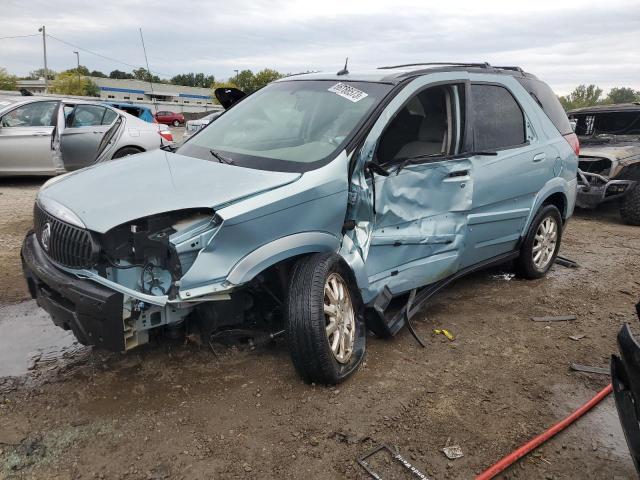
(315, 208)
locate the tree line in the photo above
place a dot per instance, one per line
(591, 95)
(76, 81)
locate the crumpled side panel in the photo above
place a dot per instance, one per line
(420, 224)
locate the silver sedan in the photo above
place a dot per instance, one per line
(49, 136)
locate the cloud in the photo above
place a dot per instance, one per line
(564, 43)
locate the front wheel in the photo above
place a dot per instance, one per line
(325, 324)
(540, 247)
(176, 123)
(630, 207)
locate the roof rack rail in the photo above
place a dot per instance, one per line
(453, 64)
(514, 68)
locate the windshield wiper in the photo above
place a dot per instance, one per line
(221, 158)
(440, 156)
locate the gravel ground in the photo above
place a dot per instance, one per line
(174, 410)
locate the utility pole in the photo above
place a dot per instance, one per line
(78, 70)
(46, 70)
(236, 76)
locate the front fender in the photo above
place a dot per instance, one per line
(281, 249)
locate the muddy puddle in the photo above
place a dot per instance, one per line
(30, 340)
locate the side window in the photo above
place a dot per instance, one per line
(109, 117)
(36, 114)
(87, 116)
(498, 121)
(429, 124)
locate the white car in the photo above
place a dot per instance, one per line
(192, 126)
(50, 136)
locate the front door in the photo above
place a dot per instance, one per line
(418, 230)
(86, 126)
(26, 134)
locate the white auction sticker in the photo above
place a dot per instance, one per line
(348, 92)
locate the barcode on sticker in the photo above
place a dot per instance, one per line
(348, 92)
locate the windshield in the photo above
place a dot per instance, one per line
(288, 126)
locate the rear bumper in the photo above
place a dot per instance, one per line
(93, 312)
(625, 377)
(594, 189)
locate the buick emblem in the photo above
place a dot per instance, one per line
(46, 236)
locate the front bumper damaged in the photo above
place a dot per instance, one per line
(594, 189)
(625, 377)
(92, 312)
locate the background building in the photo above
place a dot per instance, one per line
(157, 96)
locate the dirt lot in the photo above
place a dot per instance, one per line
(178, 411)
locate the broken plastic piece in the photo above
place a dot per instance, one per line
(560, 318)
(446, 333)
(453, 451)
(576, 367)
(565, 262)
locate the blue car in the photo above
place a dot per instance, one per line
(320, 206)
(140, 111)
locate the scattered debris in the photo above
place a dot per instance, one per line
(565, 262)
(395, 456)
(453, 451)
(446, 333)
(503, 276)
(348, 438)
(589, 369)
(577, 337)
(560, 318)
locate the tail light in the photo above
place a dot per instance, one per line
(166, 134)
(572, 139)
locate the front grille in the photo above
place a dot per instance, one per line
(65, 244)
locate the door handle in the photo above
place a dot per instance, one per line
(41, 134)
(458, 173)
(539, 157)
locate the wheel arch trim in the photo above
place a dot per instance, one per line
(281, 249)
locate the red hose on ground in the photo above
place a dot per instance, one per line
(540, 439)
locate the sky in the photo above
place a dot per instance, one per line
(565, 43)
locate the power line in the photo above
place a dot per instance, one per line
(102, 56)
(20, 36)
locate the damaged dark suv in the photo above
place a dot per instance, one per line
(311, 208)
(609, 168)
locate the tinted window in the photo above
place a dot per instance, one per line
(498, 121)
(88, 116)
(544, 96)
(36, 114)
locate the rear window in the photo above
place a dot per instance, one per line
(498, 121)
(544, 96)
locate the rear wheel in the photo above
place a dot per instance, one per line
(540, 247)
(176, 123)
(325, 324)
(630, 207)
(126, 151)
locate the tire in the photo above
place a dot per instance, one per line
(526, 264)
(176, 123)
(126, 151)
(630, 207)
(311, 353)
